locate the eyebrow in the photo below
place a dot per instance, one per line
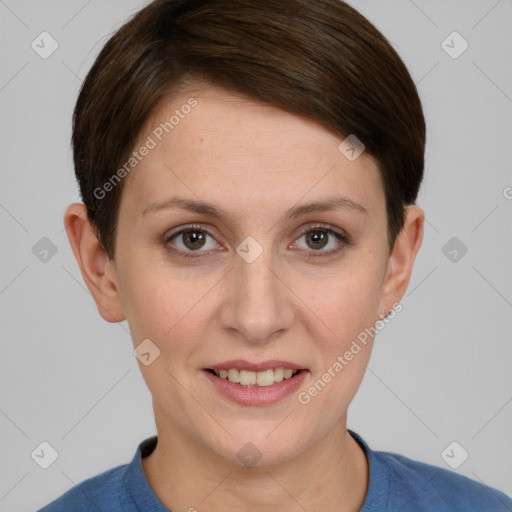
(205, 208)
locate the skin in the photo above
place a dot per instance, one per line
(255, 161)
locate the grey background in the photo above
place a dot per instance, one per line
(440, 371)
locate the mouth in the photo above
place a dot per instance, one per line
(256, 384)
(249, 378)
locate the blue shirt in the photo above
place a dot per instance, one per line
(396, 484)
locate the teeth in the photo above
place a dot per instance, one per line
(249, 378)
(233, 375)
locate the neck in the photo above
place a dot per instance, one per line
(185, 475)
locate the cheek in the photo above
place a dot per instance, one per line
(345, 310)
(166, 305)
(343, 303)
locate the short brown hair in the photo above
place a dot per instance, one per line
(320, 59)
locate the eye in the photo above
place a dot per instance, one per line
(321, 236)
(192, 239)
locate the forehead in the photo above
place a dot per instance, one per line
(208, 142)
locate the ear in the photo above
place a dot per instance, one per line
(97, 270)
(401, 259)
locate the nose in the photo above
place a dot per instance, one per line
(259, 303)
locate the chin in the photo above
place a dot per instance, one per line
(254, 447)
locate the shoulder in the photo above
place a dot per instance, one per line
(415, 485)
(105, 491)
(398, 483)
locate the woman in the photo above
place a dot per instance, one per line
(249, 173)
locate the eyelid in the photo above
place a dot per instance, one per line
(327, 227)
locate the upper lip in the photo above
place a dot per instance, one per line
(242, 364)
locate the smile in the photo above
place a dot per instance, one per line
(255, 388)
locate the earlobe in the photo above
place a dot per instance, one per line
(97, 270)
(402, 257)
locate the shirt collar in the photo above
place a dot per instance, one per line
(377, 494)
(137, 484)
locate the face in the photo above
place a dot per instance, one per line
(255, 276)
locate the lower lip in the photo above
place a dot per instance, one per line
(257, 395)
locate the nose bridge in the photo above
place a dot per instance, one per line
(258, 305)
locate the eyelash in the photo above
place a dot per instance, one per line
(311, 254)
